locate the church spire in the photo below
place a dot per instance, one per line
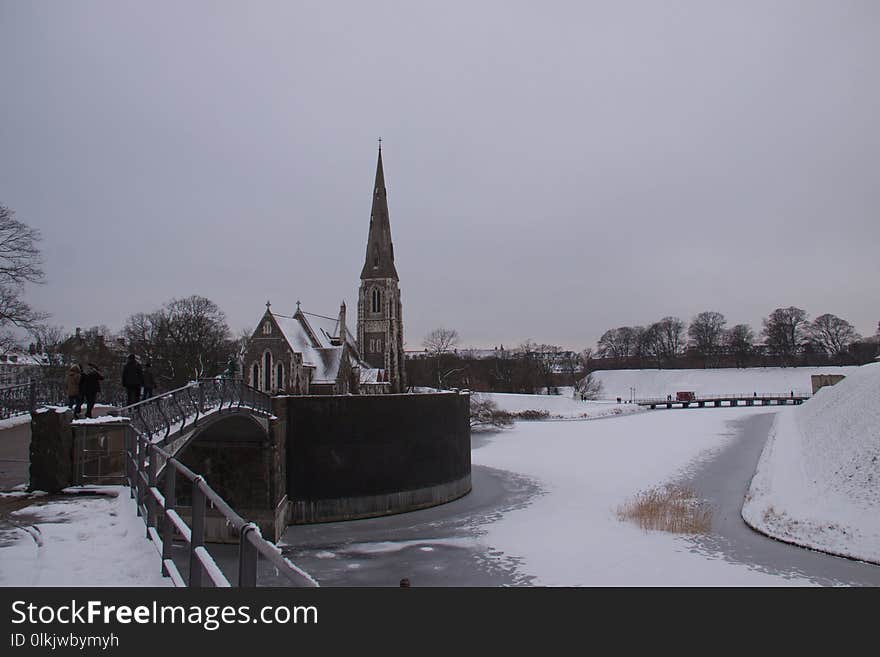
(379, 262)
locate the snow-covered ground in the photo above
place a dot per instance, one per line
(571, 535)
(818, 481)
(558, 406)
(79, 541)
(746, 381)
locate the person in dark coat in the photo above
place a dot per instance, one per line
(89, 387)
(132, 380)
(149, 380)
(74, 400)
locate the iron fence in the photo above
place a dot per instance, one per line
(163, 415)
(152, 422)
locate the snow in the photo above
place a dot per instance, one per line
(15, 421)
(818, 480)
(571, 536)
(79, 541)
(558, 406)
(745, 381)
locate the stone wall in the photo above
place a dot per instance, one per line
(360, 456)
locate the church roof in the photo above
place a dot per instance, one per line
(379, 261)
(310, 335)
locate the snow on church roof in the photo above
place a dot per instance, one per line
(310, 335)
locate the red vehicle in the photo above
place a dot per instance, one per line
(685, 396)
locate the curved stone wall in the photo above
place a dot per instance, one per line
(353, 456)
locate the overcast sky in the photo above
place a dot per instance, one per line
(554, 169)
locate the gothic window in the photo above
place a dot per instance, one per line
(377, 300)
(280, 376)
(267, 328)
(375, 257)
(267, 373)
(255, 376)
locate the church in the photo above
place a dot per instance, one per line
(313, 354)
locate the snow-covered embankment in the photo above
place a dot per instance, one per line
(818, 480)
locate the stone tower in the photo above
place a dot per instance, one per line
(380, 313)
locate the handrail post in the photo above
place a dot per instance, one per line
(198, 533)
(248, 557)
(153, 480)
(141, 466)
(167, 525)
(130, 442)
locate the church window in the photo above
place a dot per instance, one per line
(267, 328)
(377, 300)
(267, 373)
(280, 376)
(255, 376)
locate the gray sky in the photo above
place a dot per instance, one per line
(554, 169)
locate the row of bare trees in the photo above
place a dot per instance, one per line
(526, 368)
(787, 334)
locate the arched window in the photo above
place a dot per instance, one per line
(375, 257)
(267, 373)
(255, 376)
(279, 377)
(377, 300)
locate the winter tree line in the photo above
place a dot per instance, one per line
(788, 337)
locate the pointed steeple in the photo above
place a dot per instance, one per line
(379, 262)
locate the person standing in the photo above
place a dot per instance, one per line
(149, 380)
(89, 387)
(74, 375)
(132, 380)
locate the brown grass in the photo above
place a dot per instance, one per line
(672, 508)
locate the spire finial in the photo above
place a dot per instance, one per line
(297, 305)
(380, 144)
(268, 305)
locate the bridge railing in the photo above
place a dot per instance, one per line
(788, 394)
(24, 398)
(164, 523)
(166, 414)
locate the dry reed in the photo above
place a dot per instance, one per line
(672, 508)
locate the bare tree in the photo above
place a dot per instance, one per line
(185, 339)
(589, 387)
(740, 341)
(485, 414)
(706, 334)
(832, 334)
(618, 343)
(20, 263)
(784, 332)
(438, 343)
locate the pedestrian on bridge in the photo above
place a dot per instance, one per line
(89, 387)
(132, 380)
(74, 375)
(149, 380)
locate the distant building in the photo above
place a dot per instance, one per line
(18, 367)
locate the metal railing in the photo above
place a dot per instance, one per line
(164, 523)
(27, 397)
(152, 422)
(790, 394)
(166, 414)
